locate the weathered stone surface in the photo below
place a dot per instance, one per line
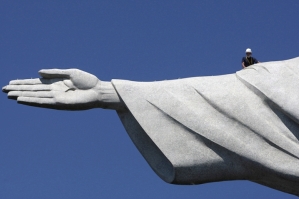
(197, 130)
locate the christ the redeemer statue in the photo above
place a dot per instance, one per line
(242, 126)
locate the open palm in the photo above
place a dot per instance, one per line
(69, 89)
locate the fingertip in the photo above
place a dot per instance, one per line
(46, 71)
(20, 99)
(23, 102)
(41, 72)
(11, 82)
(14, 82)
(4, 89)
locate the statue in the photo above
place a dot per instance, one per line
(242, 126)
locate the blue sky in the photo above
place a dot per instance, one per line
(88, 154)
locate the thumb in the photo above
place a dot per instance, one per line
(55, 73)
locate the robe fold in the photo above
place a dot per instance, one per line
(242, 126)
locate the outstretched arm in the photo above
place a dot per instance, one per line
(69, 89)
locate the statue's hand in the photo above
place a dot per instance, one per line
(69, 89)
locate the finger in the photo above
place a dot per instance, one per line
(35, 100)
(55, 73)
(46, 103)
(38, 94)
(14, 96)
(30, 81)
(40, 102)
(4, 89)
(39, 87)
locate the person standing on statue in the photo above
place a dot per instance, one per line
(248, 59)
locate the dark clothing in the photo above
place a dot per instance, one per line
(249, 61)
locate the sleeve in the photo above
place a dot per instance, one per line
(194, 130)
(167, 134)
(255, 60)
(243, 59)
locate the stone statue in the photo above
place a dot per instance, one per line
(242, 126)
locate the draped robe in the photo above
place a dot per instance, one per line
(242, 126)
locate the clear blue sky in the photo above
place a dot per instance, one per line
(87, 154)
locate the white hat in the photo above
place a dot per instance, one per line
(248, 50)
